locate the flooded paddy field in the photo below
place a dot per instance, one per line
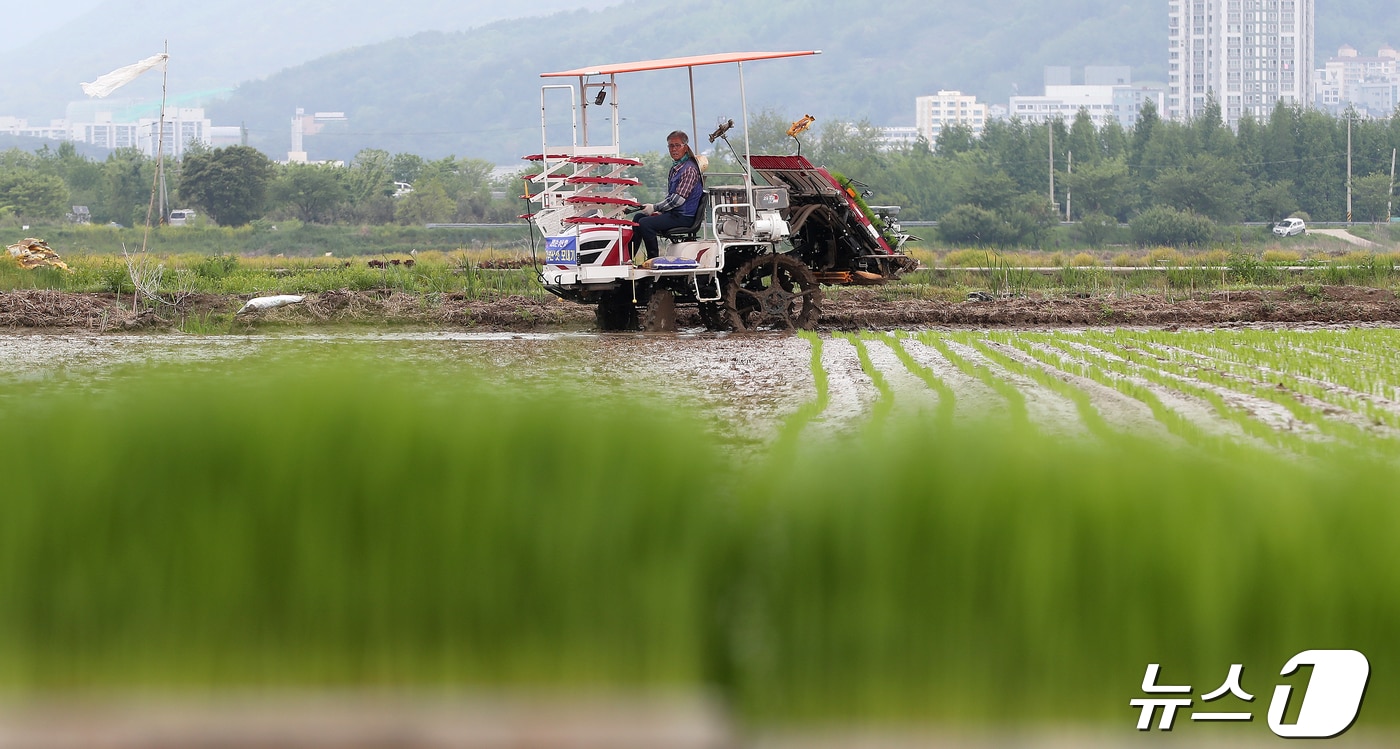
(983, 531)
(1266, 385)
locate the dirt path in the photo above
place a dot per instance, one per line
(848, 310)
(1346, 236)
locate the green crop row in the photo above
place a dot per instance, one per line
(1325, 388)
(332, 520)
(433, 273)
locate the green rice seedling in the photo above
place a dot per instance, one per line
(1056, 352)
(1179, 381)
(1015, 399)
(324, 521)
(335, 520)
(1083, 403)
(946, 397)
(1251, 357)
(793, 426)
(1009, 597)
(885, 403)
(1243, 381)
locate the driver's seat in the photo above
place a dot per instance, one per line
(690, 233)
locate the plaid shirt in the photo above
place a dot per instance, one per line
(683, 188)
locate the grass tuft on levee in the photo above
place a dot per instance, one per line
(353, 523)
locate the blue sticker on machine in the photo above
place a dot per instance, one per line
(561, 250)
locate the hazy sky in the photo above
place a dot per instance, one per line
(26, 19)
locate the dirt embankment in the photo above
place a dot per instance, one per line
(852, 310)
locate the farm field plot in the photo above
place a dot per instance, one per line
(1291, 389)
(943, 527)
(1299, 391)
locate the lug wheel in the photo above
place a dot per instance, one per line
(660, 315)
(713, 316)
(616, 312)
(775, 291)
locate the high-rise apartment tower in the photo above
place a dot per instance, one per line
(1250, 54)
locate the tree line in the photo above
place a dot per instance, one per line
(995, 189)
(1176, 179)
(237, 185)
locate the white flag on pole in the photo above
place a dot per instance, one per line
(122, 76)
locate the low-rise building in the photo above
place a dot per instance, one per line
(933, 113)
(1107, 94)
(895, 138)
(1370, 85)
(104, 129)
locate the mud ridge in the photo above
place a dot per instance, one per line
(851, 310)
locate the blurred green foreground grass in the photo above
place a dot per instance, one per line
(353, 523)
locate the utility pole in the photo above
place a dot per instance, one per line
(1069, 193)
(1348, 168)
(1050, 128)
(1389, 197)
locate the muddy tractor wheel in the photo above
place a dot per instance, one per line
(712, 315)
(660, 315)
(616, 312)
(773, 291)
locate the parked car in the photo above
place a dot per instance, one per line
(1290, 227)
(181, 216)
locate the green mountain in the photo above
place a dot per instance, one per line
(476, 93)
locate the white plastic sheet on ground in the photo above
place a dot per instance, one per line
(270, 302)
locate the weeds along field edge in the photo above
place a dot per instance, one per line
(361, 523)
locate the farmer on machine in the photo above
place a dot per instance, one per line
(684, 190)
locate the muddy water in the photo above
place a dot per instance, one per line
(743, 385)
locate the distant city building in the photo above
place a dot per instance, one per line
(1370, 85)
(933, 113)
(304, 124)
(1107, 95)
(56, 130)
(1251, 54)
(102, 129)
(224, 136)
(894, 138)
(1107, 75)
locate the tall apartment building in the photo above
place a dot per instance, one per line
(1250, 53)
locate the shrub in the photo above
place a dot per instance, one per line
(1124, 260)
(968, 259)
(1281, 256)
(1083, 260)
(1166, 256)
(1209, 258)
(969, 224)
(216, 266)
(1096, 228)
(1170, 227)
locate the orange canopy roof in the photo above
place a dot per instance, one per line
(677, 62)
